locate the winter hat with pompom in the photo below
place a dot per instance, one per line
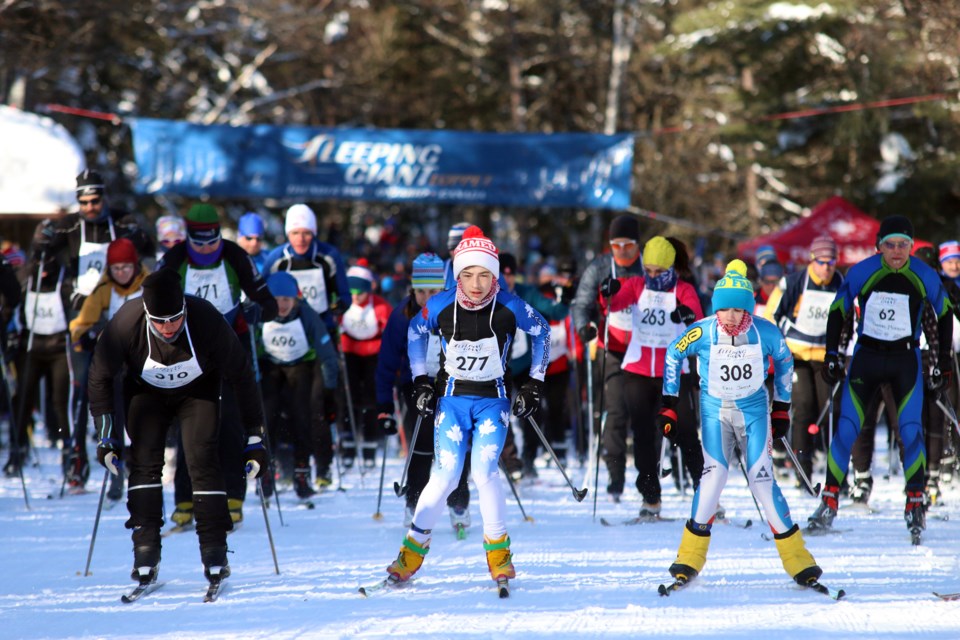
(476, 250)
(733, 290)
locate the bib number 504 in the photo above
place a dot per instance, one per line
(735, 372)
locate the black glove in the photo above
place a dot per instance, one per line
(528, 399)
(42, 237)
(567, 294)
(87, 340)
(780, 419)
(386, 419)
(832, 370)
(108, 455)
(256, 456)
(423, 395)
(587, 333)
(683, 314)
(330, 405)
(609, 287)
(667, 418)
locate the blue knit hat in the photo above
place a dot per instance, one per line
(282, 283)
(360, 279)
(250, 224)
(733, 290)
(427, 272)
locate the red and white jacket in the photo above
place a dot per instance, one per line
(361, 326)
(565, 346)
(653, 330)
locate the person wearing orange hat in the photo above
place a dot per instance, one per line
(799, 306)
(477, 322)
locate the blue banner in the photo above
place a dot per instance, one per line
(318, 163)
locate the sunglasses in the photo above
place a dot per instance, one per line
(166, 319)
(205, 243)
(903, 244)
(826, 263)
(627, 244)
(90, 203)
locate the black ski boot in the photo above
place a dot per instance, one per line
(215, 565)
(146, 564)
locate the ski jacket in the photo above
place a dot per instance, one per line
(362, 325)
(588, 306)
(327, 291)
(799, 306)
(318, 346)
(393, 363)
(107, 295)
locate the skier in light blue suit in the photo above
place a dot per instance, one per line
(733, 348)
(477, 322)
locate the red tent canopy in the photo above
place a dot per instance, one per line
(854, 232)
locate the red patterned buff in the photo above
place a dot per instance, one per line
(475, 250)
(745, 323)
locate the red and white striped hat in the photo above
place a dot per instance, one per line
(475, 250)
(949, 249)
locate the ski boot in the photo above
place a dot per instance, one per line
(692, 554)
(182, 515)
(409, 560)
(933, 489)
(301, 483)
(460, 520)
(215, 564)
(649, 512)
(146, 564)
(822, 518)
(797, 561)
(235, 505)
(915, 514)
(862, 487)
(324, 479)
(499, 558)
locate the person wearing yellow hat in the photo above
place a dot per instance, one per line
(732, 348)
(662, 307)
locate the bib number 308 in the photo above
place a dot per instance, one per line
(735, 372)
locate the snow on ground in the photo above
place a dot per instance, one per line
(576, 578)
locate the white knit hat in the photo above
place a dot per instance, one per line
(300, 216)
(475, 250)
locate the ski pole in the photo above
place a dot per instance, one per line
(383, 470)
(828, 405)
(603, 415)
(588, 423)
(96, 522)
(266, 521)
(513, 488)
(662, 468)
(14, 424)
(578, 494)
(400, 488)
(814, 490)
(271, 461)
(948, 411)
(353, 422)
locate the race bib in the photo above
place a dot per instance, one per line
(285, 341)
(887, 316)
(735, 372)
(476, 361)
(211, 285)
(812, 315)
(313, 288)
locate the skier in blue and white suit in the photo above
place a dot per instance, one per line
(477, 322)
(732, 349)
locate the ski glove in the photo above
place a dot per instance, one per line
(108, 449)
(939, 378)
(256, 456)
(587, 332)
(528, 399)
(683, 314)
(386, 419)
(667, 418)
(780, 419)
(832, 370)
(423, 395)
(609, 287)
(330, 405)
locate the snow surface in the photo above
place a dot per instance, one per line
(576, 579)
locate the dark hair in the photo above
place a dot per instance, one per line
(681, 262)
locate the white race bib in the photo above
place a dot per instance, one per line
(652, 326)
(171, 376)
(558, 340)
(212, 285)
(476, 361)
(622, 320)
(313, 288)
(360, 323)
(92, 260)
(814, 309)
(44, 312)
(285, 341)
(887, 316)
(736, 372)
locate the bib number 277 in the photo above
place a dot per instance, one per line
(469, 363)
